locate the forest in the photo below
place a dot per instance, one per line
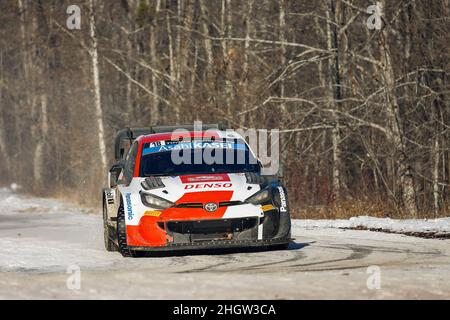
(358, 89)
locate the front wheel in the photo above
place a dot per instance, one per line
(122, 236)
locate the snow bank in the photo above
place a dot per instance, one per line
(435, 226)
(12, 203)
(45, 235)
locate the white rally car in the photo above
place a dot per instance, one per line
(156, 202)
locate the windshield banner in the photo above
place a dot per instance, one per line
(194, 145)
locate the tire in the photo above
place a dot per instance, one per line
(109, 244)
(122, 236)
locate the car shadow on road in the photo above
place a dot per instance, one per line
(179, 253)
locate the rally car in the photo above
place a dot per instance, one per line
(156, 202)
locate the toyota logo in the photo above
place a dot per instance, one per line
(210, 206)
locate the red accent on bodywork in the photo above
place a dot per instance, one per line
(148, 233)
(137, 165)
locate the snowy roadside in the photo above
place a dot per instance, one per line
(38, 234)
(44, 241)
(12, 203)
(426, 228)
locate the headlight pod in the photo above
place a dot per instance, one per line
(259, 197)
(155, 202)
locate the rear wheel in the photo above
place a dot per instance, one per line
(122, 236)
(109, 244)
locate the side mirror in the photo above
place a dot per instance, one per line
(114, 173)
(113, 176)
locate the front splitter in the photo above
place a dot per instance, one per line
(217, 244)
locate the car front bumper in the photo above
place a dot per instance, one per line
(271, 230)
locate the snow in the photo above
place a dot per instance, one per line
(41, 240)
(15, 187)
(39, 234)
(436, 226)
(48, 235)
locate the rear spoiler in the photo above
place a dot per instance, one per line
(130, 134)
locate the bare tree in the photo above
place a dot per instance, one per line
(363, 114)
(334, 89)
(96, 81)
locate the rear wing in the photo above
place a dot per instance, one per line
(130, 134)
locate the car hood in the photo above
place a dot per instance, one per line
(204, 187)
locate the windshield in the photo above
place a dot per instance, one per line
(172, 158)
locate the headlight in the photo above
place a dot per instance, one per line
(155, 202)
(259, 197)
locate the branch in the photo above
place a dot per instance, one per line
(140, 85)
(317, 127)
(284, 43)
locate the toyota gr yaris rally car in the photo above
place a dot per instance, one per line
(156, 202)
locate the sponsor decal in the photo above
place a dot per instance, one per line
(130, 214)
(283, 207)
(156, 143)
(205, 178)
(208, 186)
(211, 206)
(194, 145)
(109, 197)
(152, 213)
(267, 207)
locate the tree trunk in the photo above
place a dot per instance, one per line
(129, 47)
(26, 101)
(178, 44)
(226, 24)
(193, 75)
(4, 156)
(154, 104)
(396, 130)
(185, 73)
(246, 66)
(23, 38)
(207, 41)
(41, 147)
(97, 92)
(436, 159)
(282, 37)
(334, 91)
(172, 65)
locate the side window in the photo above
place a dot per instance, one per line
(130, 162)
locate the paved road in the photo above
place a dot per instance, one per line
(41, 240)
